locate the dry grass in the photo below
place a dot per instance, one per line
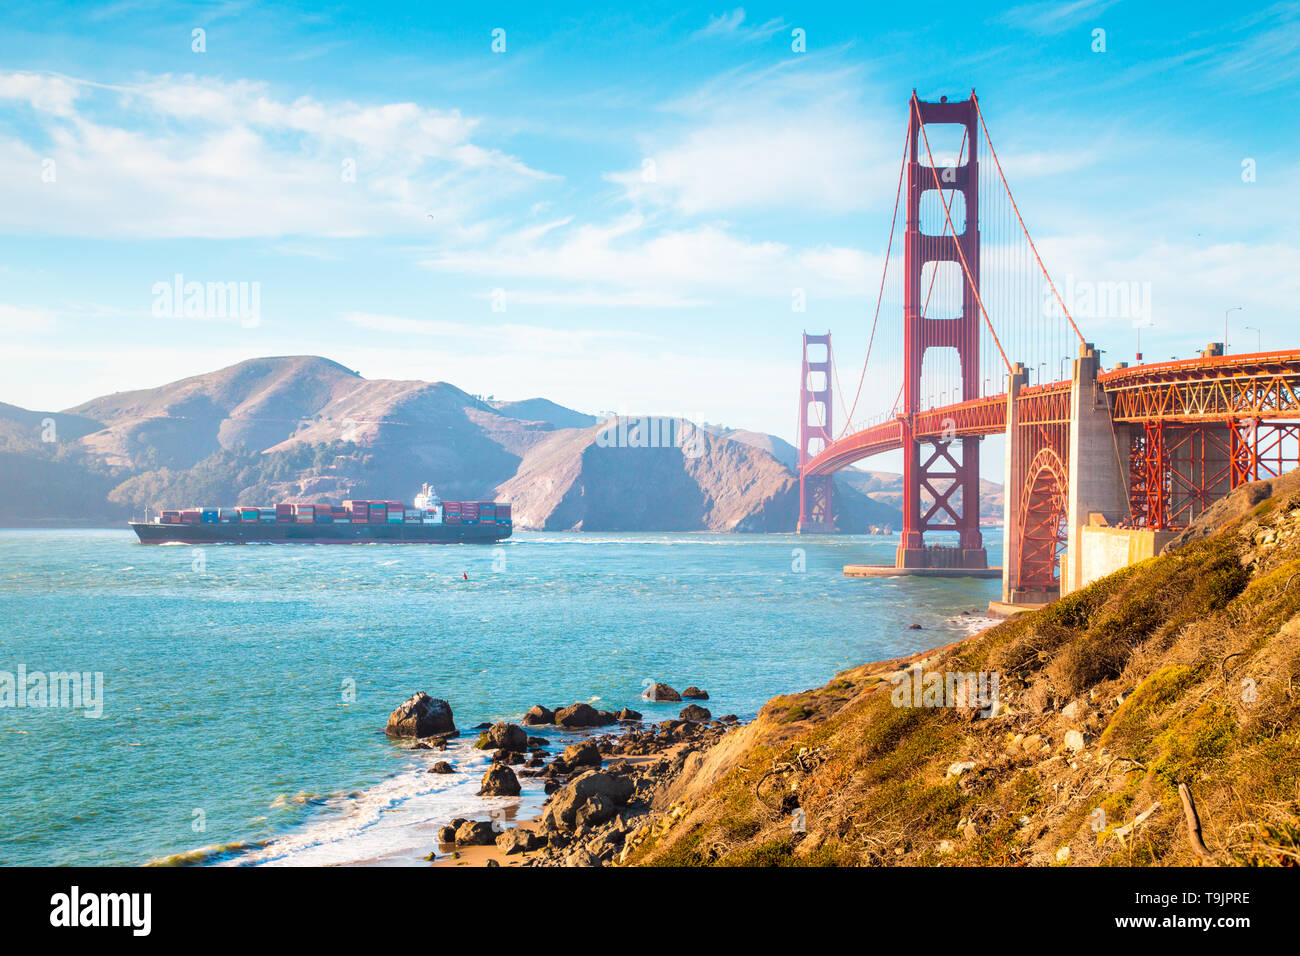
(1203, 648)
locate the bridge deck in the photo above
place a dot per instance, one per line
(1259, 386)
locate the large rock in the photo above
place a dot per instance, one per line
(475, 833)
(583, 715)
(597, 810)
(584, 754)
(538, 716)
(580, 857)
(499, 781)
(694, 693)
(503, 736)
(628, 713)
(694, 712)
(662, 692)
(518, 840)
(567, 801)
(421, 716)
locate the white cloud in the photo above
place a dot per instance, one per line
(811, 162)
(18, 320)
(732, 25)
(633, 257)
(1052, 16)
(1191, 284)
(500, 337)
(1268, 56)
(790, 137)
(189, 156)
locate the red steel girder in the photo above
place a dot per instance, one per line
(1040, 537)
(1265, 385)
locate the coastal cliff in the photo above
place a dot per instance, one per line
(1173, 674)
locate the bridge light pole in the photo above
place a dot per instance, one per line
(1064, 359)
(1235, 308)
(1251, 328)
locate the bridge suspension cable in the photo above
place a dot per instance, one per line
(850, 410)
(947, 214)
(1024, 315)
(880, 296)
(1001, 175)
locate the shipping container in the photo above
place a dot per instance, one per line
(378, 514)
(247, 514)
(269, 515)
(324, 514)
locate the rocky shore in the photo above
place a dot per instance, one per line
(604, 790)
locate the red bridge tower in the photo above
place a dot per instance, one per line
(815, 492)
(945, 469)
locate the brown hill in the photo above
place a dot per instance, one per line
(306, 428)
(1175, 672)
(571, 481)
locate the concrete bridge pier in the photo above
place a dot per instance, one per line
(1013, 591)
(1066, 471)
(1098, 465)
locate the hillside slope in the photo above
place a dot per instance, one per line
(304, 428)
(572, 480)
(1174, 671)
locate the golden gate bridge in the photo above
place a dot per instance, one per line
(988, 345)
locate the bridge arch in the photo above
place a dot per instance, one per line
(1041, 522)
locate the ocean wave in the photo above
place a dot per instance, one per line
(394, 822)
(204, 854)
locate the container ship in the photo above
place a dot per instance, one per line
(429, 521)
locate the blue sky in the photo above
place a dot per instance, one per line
(502, 230)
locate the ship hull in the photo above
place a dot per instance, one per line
(283, 533)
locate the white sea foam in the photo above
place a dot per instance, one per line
(974, 623)
(396, 821)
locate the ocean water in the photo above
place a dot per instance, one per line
(245, 688)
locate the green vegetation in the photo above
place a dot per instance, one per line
(1184, 668)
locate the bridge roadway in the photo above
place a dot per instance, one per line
(1260, 386)
(1146, 446)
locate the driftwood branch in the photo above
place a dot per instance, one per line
(1193, 824)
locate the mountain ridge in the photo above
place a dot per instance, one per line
(304, 427)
